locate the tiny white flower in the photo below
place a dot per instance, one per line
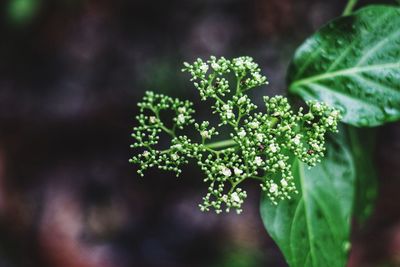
(257, 76)
(273, 148)
(226, 171)
(259, 137)
(178, 146)
(273, 188)
(226, 107)
(237, 171)
(242, 134)
(254, 124)
(215, 66)
(146, 153)
(242, 100)
(277, 114)
(335, 113)
(258, 161)
(315, 146)
(182, 110)
(152, 119)
(329, 120)
(229, 114)
(204, 67)
(284, 183)
(181, 118)
(281, 164)
(296, 140)
(205, 134)
(235, 197)
(174, 156)
(317, 106)
(239, 62)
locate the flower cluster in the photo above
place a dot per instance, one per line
(262, 144)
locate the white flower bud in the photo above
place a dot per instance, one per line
(215, 66)
(205, 134)
(226, 107)
(258, 161)
(237, 171)
(273, 148)
(257, 76)
(241, 100)
(296, 140)
(181, 118)
(226, 171)
(152, 119)
(235, 197)
(281, 164)
(229, 114)
(273, 188)
(254, 124)
(242, 134)
(204, 67)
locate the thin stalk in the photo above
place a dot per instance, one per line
(168, 131)
(220, 144)
(349, 7)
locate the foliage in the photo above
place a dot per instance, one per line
(362, 144)
(313, 228)
(349, 68)
(352, 63)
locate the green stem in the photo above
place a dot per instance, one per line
(239, 79)
(168, 131)
(230, 142)
(262, 179)
(223, 143)
(349, 7)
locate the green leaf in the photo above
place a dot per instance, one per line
(353, 63)
(362, 145)
(312, 229)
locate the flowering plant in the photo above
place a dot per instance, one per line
(311, 185)
(262, 141)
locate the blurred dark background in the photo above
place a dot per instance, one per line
(71, 73)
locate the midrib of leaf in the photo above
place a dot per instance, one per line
(297, 210)
(321, 86)
(343, 72)
(323, 207)
(308, 224)
(304, 199)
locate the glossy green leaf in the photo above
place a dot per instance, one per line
(353, 63)
(361, 142)
(312, 229)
